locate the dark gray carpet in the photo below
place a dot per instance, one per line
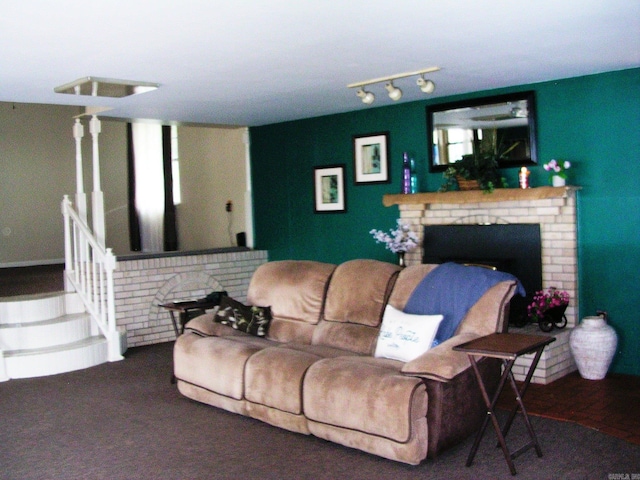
(31, 280)
(125, 420)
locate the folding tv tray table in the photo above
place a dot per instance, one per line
(507, 347)
(187, 310)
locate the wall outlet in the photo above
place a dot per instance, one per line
(229, 206)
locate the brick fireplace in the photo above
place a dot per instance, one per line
(553, 208)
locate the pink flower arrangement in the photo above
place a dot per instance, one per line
(554, 167)
(544, 301)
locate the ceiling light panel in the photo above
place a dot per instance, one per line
(105, 87)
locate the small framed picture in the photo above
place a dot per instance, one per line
(329, 189)
(371, 158)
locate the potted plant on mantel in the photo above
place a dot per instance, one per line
(474, 172)
(477, 171)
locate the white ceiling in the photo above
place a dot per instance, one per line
(255, 62)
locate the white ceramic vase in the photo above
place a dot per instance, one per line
(558, 181)
(593, 344)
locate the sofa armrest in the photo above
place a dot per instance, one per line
(441, 363)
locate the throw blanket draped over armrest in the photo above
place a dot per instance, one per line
(451, 290)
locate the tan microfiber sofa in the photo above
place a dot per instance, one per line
(315, 372)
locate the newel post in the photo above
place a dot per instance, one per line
(113, 336)
(68, 246)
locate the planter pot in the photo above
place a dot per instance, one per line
(593, 344)
(464, 184)
(558, 181)
(554, 317)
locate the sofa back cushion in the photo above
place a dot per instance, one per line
(295, 291)
(408, 280)
(357, 295)
(488, 315)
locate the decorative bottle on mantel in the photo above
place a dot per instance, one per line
(414, 176)
(406, 173)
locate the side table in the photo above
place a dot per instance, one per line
(186, 310)
(507, 347)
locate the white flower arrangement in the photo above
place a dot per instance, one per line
(554, 167)
(401, 239)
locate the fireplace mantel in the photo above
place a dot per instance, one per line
(478, 196)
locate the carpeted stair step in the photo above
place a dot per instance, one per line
(45, 333)
(38, 307)
(38, 362)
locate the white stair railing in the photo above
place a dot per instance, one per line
(89, 272)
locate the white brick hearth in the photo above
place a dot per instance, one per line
(554, 209)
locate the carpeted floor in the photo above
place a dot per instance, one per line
(31, 280)
(125, 420)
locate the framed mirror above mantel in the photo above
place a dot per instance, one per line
(502, 127)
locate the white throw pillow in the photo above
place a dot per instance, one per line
(404, 336)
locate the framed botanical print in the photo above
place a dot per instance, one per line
(371, 158)
(329, 189)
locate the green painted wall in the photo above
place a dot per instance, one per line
(593, 121)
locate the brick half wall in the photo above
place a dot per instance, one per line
(142, 283)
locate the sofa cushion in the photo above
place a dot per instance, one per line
(451, 290)
(252, 319)
(364, 394)
(274, 377)
(408, 280)
(216, 363)
(357, 295)
(358, 292)
(404, 336)
(295, 291)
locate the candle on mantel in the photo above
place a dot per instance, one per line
(523, 177)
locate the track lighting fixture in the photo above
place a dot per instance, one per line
(426, 86)
(367, 97)
(394, 92)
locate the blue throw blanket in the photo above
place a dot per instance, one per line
(451, 290)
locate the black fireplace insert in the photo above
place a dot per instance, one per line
(514, 248)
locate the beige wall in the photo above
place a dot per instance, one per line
(37, 167)
(212, 171)
(113, 180)
(34, 174)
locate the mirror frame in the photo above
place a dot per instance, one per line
(528, 96)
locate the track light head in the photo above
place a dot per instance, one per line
(394, 92)
(367, 97)
(426, 86)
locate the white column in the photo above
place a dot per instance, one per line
(81, 197)
(248, 196)
(97, 197)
